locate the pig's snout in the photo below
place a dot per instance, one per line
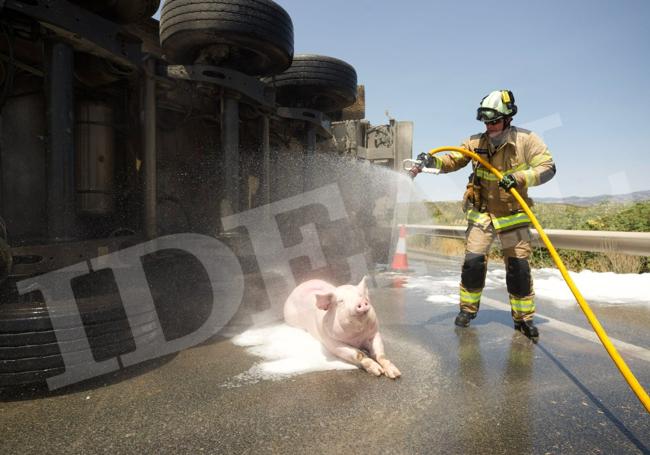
(362, 307)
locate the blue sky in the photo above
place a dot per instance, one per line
(580, 72)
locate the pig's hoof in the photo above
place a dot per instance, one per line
(390, 370)
(393, 373)
(372, 367)
(375, 371)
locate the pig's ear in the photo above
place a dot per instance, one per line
(323, 301)
(363, 286)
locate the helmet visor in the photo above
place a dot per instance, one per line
(487, 114)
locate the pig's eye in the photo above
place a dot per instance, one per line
(339, 301)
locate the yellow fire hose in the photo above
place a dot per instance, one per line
(604, 339)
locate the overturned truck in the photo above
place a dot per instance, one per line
(117, 129)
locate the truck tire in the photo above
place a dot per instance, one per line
(122, 11)
(37, 369)
(252, 36)
(31, 345)
(30, 350)
(316, 82)
(23, 360)
(34, 317)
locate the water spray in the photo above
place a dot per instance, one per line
(414, 167)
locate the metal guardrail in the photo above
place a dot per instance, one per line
(632, 243)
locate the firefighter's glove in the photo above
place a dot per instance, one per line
(508, 181)
(429, 160)
(468, 197)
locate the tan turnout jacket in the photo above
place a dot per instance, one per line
(523, 154)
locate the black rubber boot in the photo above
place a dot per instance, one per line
(463, 318)
(528, 329)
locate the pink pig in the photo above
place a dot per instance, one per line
(343, 319)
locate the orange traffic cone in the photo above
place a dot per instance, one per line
(399, 281)
(400, 263)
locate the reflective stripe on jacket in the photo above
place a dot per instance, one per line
(499, 223)
(523, 154)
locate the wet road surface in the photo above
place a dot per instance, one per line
(483, 389)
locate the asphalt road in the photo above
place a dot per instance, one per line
(484, 389)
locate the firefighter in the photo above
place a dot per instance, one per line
(525, 161)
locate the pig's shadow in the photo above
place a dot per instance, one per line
(330, 357)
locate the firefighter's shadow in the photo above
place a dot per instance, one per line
(484, 317)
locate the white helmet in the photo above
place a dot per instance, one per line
(498, 104)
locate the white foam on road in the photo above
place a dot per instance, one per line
(285, 351)
(605, 288)
(446, 288)
(443, 289)
(599, 288)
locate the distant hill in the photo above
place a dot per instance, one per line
(637, 196)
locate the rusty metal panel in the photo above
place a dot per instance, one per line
(381, 143)
(386, 145)
(350, 137)
(94, 158)
(22, 149)
(357, 111)
(82, 29)
(403, 143)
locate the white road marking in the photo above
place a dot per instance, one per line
(625, 348)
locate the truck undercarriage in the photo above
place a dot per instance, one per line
(116, 129)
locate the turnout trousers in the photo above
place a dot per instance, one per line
(516, 248)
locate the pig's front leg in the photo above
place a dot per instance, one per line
(377, 351)
(354, 356)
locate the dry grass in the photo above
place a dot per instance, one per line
(451, 247)
(623, 263)
(448, 247)
(613, 261)
(438, 245)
